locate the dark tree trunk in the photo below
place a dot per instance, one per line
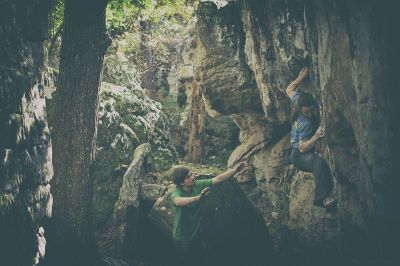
(84, 42)
(197, 119)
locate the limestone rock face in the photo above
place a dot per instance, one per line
(127, 118)
(25, 148)
(221, 66)
(220, 139)
(134, 118)
(129, 192)
(126, 211)
(249, 52)
(151, 192)
(307, 223)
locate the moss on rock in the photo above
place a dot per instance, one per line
(127, 118)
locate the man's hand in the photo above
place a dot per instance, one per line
(303, 73)
(305, 146)
(229, 173)
(242, 165)
(320, 133)
(204, 192)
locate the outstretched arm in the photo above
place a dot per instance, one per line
(183, 201)
(228, 173)
(293, 86)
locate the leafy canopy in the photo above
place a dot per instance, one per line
(124, 15)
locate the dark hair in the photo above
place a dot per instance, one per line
(179, 174)
(305, 100)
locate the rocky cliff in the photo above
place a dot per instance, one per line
(127, 118)
(249, 52)
(25, 148)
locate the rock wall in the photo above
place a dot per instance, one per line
(126, 210)
(25, 147)
(197, 136)
(210, 139)
(249, 52)
(127, 118)
(131, 235)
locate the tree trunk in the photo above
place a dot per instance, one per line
(84, 42)
(197, 120)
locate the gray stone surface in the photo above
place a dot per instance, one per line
(127, 119)
(25, 147)
(151, 192)
(129, 192)
(126, 210)
(248, 54)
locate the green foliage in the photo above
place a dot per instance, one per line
(168, 27)
(56, 18)
(121, 16)
(124, 15)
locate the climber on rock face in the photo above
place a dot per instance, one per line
(304, 136)
(186, 199)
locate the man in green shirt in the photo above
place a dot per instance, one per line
(186, 199)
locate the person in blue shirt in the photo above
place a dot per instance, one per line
(304, 135)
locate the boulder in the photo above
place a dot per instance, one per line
(151, 192)
(129, 192)
(311, 226)
(233, 231)
(126, 211)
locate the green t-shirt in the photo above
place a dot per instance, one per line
(187, 218)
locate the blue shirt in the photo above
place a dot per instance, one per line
(302, 129)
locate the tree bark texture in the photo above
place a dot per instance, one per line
(84, 42)
(197, 116)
